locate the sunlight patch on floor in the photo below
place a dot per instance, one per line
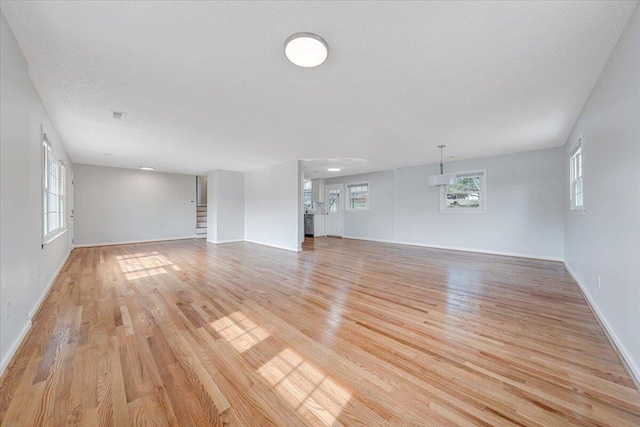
(239, 331)
(141, 265)
(305, 387)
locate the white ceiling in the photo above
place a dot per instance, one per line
(205, 85)
(316, 168)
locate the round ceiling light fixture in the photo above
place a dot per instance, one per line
(306, 50)
(334, 168)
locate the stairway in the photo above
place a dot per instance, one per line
(201, 221)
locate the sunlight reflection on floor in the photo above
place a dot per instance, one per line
(239, 331)
(138, 266)
(307, 389)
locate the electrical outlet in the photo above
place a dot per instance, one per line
(598, 279)
(6, 311)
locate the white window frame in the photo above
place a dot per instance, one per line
(576, 175)
(483, 194)
(48, 192)
(348, 196)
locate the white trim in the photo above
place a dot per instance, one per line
(286, 248)
(627, 360)
(348, 197)
(18, 341)
(46, 290)
(221, 242)
(166, 239)
(15, 345)
(577, 146)
(53, 236)
(455, 248)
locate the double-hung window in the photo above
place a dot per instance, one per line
(53, 193)
(575, 168)
(358, 196)
(467, 194)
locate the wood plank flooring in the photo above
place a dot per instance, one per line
(347, 332)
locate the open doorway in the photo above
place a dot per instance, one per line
(201, 206)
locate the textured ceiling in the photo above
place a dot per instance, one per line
(205, 85)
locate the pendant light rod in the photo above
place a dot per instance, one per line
(443, 179)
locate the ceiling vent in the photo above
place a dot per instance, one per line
(118, 114)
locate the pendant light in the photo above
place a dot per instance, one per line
(443, 179)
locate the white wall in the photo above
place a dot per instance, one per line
(114, 205)
(377, 222)
(317, 190)
(524, 213)
(225, 210)
(26, 268)
(605, 239)
(273, 206)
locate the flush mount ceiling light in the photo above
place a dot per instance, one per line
(334, 168)
(443, 179)
(147, 168)
(306, 50)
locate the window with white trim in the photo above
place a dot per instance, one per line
(358, 196)
(467, 194)
(53, 193)
(575, 178)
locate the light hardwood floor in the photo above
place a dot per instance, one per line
(347, 332)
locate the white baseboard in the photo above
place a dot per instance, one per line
(455, 248)
(628, 362)
(14, 347)
(201, 236)
(273, 246)
(18, 341)
(46, 290)
(130, 242)
(225, 241)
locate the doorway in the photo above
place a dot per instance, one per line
(335, 210)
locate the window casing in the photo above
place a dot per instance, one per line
(358, 196)
(53, 194)
(575, 177)
(468, 194)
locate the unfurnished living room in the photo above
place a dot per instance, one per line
(320, 213)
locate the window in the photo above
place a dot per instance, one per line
(575, 167)
(334, 200)
(468, 194)
(53, 193)
(358, 196)
(307, 194)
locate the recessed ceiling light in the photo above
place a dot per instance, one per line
(334, 168)
(147, 168)
(306, 50)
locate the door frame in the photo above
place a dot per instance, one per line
(340, 207)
